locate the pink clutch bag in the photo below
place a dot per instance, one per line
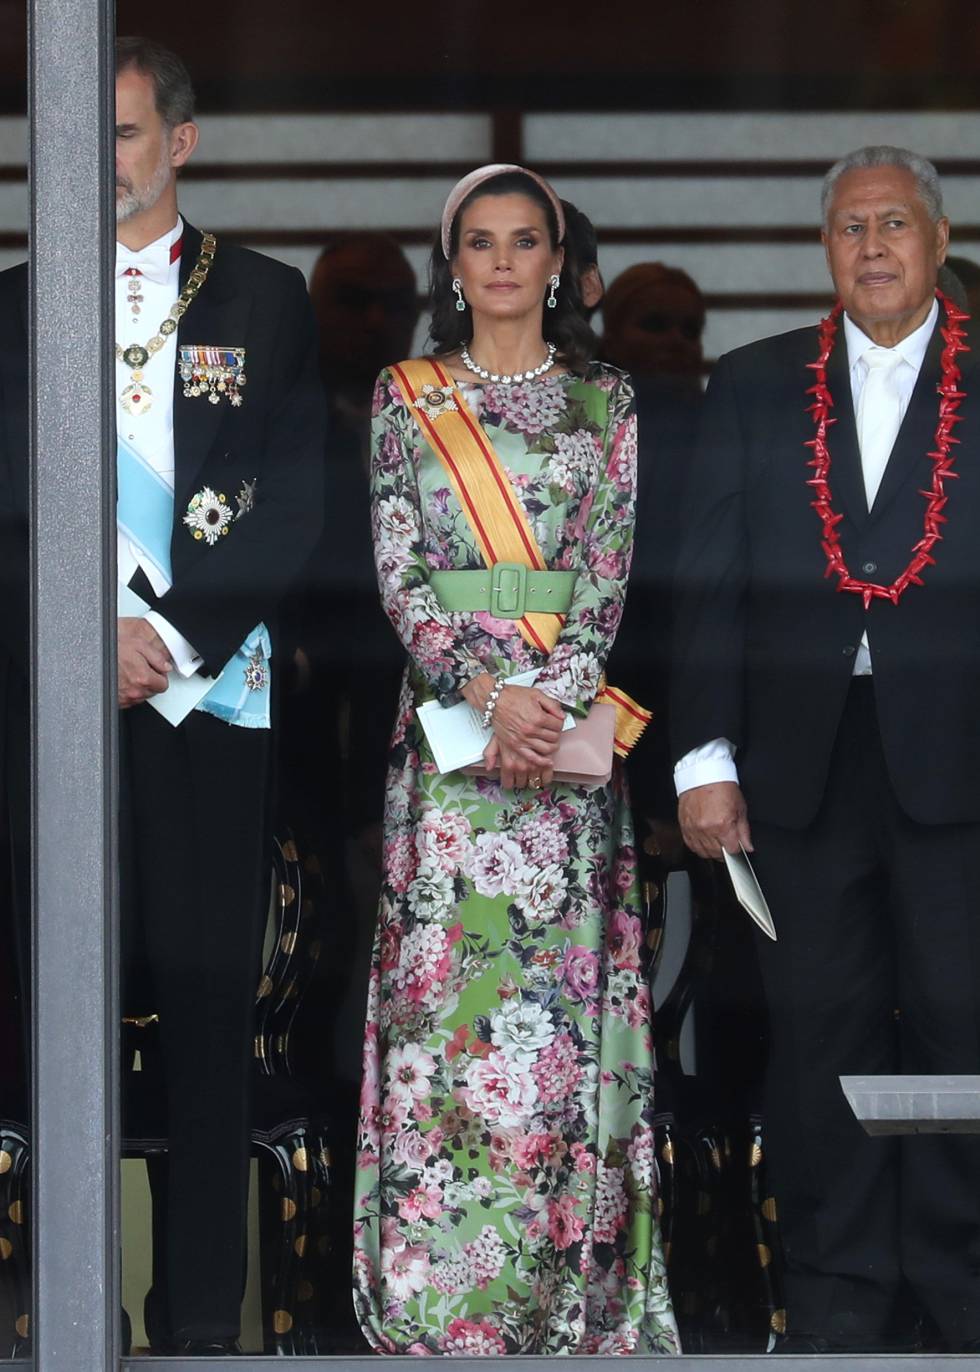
(585, 753)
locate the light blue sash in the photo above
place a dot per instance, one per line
(144, 513)
(231, 698)
(144, 508)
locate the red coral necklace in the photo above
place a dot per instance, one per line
(942, 460)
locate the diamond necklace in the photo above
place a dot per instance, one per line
(471, 366)
(136, 398)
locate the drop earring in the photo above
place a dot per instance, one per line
(552, 300)
(458, 288)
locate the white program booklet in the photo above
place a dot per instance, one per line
(183, 692)
(748, 892)
(455, 734)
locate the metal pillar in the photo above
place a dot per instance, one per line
(74, 1224)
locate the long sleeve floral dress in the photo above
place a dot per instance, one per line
(506, 1192)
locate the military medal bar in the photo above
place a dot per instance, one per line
(213, 372)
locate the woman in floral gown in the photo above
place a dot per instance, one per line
(506, 1192)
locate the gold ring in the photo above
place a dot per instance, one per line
(535, 783)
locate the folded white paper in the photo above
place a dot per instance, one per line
(748, 892)
(183, 692)
(455, 734)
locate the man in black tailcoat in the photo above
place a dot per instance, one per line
(827, 679)
(221, 434)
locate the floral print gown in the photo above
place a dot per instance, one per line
(506, 1191)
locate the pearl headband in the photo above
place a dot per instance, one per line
(476, 178)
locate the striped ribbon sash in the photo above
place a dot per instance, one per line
(493, 511)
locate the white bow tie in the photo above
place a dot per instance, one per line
(152, 262)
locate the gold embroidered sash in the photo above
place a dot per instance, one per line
(493, 510)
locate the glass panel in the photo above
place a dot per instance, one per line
(523, 1173)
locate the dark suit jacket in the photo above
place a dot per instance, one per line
(764, 644)
(276, 436)
(667, 419)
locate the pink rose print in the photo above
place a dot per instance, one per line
(625, 940)
(580, 972)
(472, 1339)
(564, 1226)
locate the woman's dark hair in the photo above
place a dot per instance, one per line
(580, 236)
(564, 326)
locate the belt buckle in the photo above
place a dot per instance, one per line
(508, 590)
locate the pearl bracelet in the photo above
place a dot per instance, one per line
(486, 718)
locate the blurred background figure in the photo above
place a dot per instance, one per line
(966, 275)
(347, 658)
(336, 718)
(364, 296)
(583, 247)
(706, 990)
(653, 317)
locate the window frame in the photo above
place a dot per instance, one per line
(74, 1115)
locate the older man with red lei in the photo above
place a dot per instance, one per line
(828, 674)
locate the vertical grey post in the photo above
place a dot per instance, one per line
(73, 623)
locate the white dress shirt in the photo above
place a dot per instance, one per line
(151, 433)
(715, 761)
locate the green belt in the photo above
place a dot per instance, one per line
(507, 590)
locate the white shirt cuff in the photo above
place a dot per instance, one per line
(714, 761)
(186, 659)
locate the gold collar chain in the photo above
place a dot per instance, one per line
(137, 397)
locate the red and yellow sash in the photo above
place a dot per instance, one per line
(493, 510)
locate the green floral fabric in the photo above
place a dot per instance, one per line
(506, 1191)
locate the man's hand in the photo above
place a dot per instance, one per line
(714, 817)
(143, 662)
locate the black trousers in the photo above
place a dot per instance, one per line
(877, 970)
(195, 841)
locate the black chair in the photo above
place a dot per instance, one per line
(15, 1258)
(718, 1222)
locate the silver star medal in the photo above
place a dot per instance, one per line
(256, 672)
(246, 497)
(208, 516)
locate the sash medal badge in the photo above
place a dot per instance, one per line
(256, 672)
(435, 401)
(213, 372)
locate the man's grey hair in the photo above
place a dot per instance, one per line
(882, 155)
(173, 92)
